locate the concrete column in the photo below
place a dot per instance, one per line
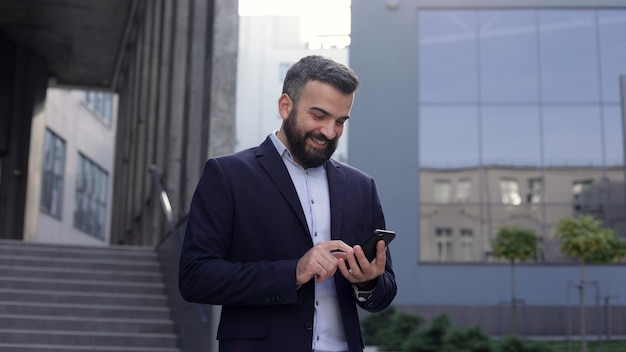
(154, 213)
(224, 77)
(178, 113)
(197, 121)
(27, 94)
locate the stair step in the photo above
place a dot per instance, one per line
(90, 324)
(82, 310)
(11, 347)
(80, 273)
(79, 285)
(125, 299)
(83, 263)
(87, 339)
(57, 298)
(77, 251)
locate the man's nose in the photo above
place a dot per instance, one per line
(328, 130)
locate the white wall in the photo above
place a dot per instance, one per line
(264, 43)
(83, 131)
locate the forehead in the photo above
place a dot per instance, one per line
(324, 95)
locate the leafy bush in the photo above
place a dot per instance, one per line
(374, 323)
(393, 336)
(396, 331)
(514, 343)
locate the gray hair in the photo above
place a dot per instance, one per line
(322, 69)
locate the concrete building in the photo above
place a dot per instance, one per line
(478, 114)
(172, 64)
(69, 189)
(268, 46)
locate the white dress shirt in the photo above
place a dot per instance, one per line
(312, 188)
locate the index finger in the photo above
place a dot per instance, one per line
(335, 245)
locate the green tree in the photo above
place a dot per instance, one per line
(374, 323)
(588, 241)
(515, 244)
(514, 343)
(392, 337)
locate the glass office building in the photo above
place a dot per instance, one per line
(520, 124)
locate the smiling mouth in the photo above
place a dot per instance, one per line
(320, 141)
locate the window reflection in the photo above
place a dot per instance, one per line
(509, 191)
(572, 135)
(613, 136)
(569, 56)
(448, 136)
(510, 135)
(443, 188)
(448, 56)
(508, 56)
(612, 29)
(520, 124)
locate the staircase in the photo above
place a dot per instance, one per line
(75, 298)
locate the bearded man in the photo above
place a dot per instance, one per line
(273, 232)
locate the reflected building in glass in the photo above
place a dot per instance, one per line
(475, 115)
(520, 124)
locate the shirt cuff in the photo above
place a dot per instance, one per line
(362, 296)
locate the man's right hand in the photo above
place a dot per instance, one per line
(321, 261)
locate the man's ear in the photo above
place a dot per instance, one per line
(285, 104)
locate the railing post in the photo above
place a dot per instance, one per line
(167, 209)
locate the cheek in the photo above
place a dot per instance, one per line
(339, 130)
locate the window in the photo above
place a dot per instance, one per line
(535, 189)
(443, 243)
(463, 190)
(535, 138)
(91, 198)
(52, 174)
(442, 191)
(509, 190)
(282, 71)
(581, 191)
(101, 103)
(466, 244)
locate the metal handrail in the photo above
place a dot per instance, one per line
(167, 209)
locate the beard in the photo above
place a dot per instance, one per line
(312, 157)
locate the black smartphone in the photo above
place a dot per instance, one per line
(369, 244)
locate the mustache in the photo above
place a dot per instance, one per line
(319, 136)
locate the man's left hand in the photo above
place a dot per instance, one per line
(362, 272)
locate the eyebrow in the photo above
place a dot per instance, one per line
(326, 112)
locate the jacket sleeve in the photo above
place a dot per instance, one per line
(385, 289)
(207, 273)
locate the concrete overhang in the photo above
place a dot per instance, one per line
(83, 41)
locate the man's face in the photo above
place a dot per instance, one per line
(313, 127)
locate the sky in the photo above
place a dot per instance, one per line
(319, 17)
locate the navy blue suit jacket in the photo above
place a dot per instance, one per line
(245, 234)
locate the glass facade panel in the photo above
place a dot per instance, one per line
(448, 136)
(572, 136)
(508, 57)
(448, 56)
(612, 28)
(541, 138)
(510, 135)
(569, 56)
(450, 234)
(613, 136)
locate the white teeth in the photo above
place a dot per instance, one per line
(319, 141)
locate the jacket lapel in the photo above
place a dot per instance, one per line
(336, 180)
(275, 168)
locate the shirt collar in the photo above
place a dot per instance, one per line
(282, 150)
